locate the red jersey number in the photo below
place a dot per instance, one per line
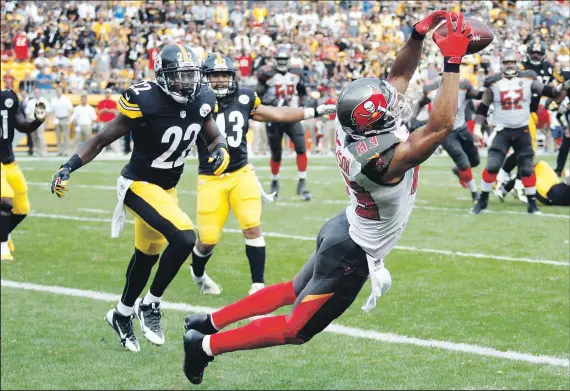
(282, 91)
(510, 100)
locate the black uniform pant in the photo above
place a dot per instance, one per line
(517, 138)
(460, 146)
(275, 133)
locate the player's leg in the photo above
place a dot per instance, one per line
(6, 197)
(562, 155)
(297, 134)
(525, 155)
(340, 272)
(213, 209)
(275, 139)
(245, 202)
(454, 148)
(495, 158)
(20, 202)
(472, 152)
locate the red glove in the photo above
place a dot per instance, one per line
(454, 45)
(429, 22)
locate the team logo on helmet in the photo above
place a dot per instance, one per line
(369, 110)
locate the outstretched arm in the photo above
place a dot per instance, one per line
(408, 58)
(24, 126)
(289, 114)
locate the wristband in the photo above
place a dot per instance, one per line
(309, 113)
(417, 36)
(450, 67)
(74, 163)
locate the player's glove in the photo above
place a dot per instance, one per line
(454, 45)
(59, 181)
(428, 23)
(220, 158)
(319, 111)
(40, 111)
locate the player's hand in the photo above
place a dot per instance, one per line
(40, 111)
(59, 181)
(324, 110)
(454, 45)
(430, 22)
(220, 158)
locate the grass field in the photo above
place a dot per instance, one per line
(477, 302)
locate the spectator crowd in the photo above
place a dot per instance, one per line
(91, 47)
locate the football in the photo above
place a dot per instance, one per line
(482, 34)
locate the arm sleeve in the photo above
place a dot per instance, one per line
(129, 105)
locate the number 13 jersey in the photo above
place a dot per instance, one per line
(232, 118)
(165, 131)
(378, 214)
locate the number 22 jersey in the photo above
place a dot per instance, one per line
(164, 133)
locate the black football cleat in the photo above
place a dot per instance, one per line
(274, 188)
(302, 190)
(199, 322)
(195, 359)
(481, 204)
(532, 208)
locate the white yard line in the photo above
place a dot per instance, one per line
(89, 210)
(312, 239)
(333, 328)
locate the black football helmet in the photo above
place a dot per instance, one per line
(536, 51)
(510, 63)
(371, 106)
(219, 64)
(283, 59)
(178, 72)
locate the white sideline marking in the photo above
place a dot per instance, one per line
(89, 210)
(333, 328)
(312, 239)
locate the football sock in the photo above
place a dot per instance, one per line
(275, 166)
(510, 185)
(302, 164)
(472, 186)
(150, 298)
(199, 261)
(138, 273)
(268, 331)
(262, 302)
(15, 220)
(125, 310)
(529, 183)
(488, 181)
(178, 250)
(255, 251)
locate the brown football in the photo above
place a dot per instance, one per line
(482, 34)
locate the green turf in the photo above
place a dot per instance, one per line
(52, 341)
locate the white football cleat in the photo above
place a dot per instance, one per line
(149, 316)
(256, 286)
(6, 255)
(206, 285)
(123, 326)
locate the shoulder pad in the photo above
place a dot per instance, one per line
(371, 149)
(207, 96)
(296, 71)
(489, 81)
(248, 97)
(465, 84)
(135, 99)
(528, 73)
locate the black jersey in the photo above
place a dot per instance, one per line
(9, 106)
(232, 118)
(545, 74)
(165, 131)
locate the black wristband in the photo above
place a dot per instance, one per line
(447, 67)
(74, 163)
(417, 36)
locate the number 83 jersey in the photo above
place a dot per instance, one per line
(232, 118)
(165, 131)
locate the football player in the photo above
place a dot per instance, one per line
(280, 84)
(166, 117)
(460, 145)
(379, 162)
(546, 73)
(14, 204)
(238, 188)
(510, 93)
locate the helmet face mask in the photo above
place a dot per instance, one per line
(510, 64)
(536, 52)
(282, 60)
(220, 75)
(178, 73)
